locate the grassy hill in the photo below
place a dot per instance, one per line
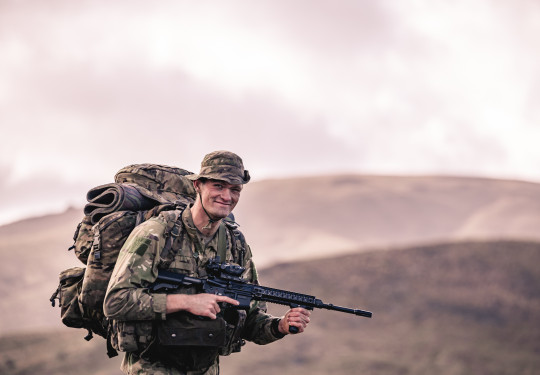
(449, 309)
(289, 220)
(34, 251)
(454, 308)
(463, 308)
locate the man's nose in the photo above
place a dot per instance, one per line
(226, 195)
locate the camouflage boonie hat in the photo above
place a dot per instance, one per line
(224, 166)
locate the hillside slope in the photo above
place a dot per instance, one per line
(448, 309)
(291, 219)
(34, 251)
(301, 217)
(462, 308)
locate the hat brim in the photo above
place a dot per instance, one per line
(216, 176)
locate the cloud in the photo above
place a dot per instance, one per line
(40, 193)
(84, 136)
(294, 87)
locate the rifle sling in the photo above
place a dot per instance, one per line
(222, 242)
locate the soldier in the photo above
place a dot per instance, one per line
(146, 318)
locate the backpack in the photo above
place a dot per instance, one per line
(140, 192)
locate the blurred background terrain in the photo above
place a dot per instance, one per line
(393, 149)
(449, 267)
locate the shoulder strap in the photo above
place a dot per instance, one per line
(172, 233)
(237, 240)
(168, 252)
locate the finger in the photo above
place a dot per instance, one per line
(213, 310)
(228, 300)
(300, 316)
(208, 311)
(300, 310)
(297, 321)
(301, 319)
(303, 311)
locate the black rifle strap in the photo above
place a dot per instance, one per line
(111, 351)
(222, 242)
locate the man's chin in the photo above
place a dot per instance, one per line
(221, 210)
(220, 214)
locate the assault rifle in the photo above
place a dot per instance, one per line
(225, 279)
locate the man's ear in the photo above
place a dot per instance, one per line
(197, 186)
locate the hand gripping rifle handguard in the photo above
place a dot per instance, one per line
(225, 279)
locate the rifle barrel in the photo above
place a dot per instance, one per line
(358, 312)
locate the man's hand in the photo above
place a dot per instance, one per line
(203, 304)
(297, 317)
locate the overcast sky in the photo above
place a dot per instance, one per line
(294, 87)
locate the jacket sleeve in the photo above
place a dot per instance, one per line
(260, 327)
(137, 266)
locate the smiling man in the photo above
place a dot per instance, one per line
(218, 187)
(176, 333)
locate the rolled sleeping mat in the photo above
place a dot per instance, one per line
(105, 199)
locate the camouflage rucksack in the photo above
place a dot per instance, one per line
(140, 191)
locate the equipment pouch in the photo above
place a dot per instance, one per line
(72, 312)
(82, 239)
(68, 296)
(189, 342)
(131, 336)
(184, 329)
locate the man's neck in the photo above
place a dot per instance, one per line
(201, 220)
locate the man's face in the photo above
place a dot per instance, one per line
(218, 197)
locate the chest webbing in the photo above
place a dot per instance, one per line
(176, 234)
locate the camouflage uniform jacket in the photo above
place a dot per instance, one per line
(138, 263)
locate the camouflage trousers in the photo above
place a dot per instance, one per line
(133, 365)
